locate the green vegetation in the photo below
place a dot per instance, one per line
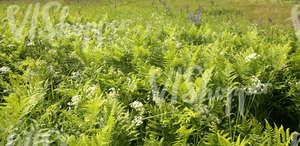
(141, 73)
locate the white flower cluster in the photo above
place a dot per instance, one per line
(251, 57)
(137, 121)
(75, 75)
(148, 97)
(112, 91)
(178, 43)
(4, 70)
(75, 100)
(31, 43)
(257, 87)
(139, 107)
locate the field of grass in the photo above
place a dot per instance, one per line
(126, 72)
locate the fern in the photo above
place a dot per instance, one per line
(277, 136)
(218, 139)
(221, 138)
(113, 122)
(183, 135)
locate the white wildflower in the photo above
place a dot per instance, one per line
(148, 97)
(173, 38)
(4, 70)
(75, 75)
(138, 106)
(96, 31)
(251, 57)
(112, 91)
(75, 100)
(178, 45)
(138, 120)
(257, 86)
(30, 43)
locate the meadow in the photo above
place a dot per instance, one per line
(149, 72)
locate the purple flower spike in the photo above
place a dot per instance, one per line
(165, 4)
(270, 20)
(198, 15)
(190, 16)
(194, 17)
